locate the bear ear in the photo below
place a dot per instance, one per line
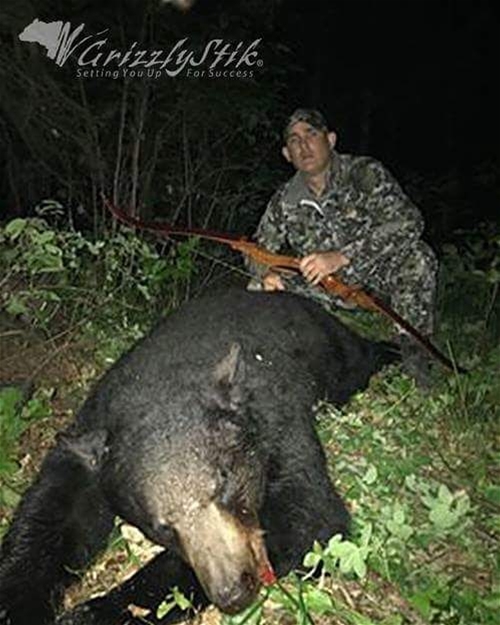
(89, 448)
(229, 375)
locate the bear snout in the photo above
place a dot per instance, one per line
(235, 598)
(226, 556)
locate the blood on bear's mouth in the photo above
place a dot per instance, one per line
(267, 576)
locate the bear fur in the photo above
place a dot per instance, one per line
(203, 437)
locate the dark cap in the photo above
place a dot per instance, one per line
(311, 116)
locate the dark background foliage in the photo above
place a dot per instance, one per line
(413, 83)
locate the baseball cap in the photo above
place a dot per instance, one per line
(310, 116)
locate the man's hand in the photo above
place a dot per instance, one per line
(317, 266)
(272, 282)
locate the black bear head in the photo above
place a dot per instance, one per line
(196, 485)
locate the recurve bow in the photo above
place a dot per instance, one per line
(354, 294)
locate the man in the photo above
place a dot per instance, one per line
(347, 215)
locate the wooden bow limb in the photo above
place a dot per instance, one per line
(373, 303)
(354, 294)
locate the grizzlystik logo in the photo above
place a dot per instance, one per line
(216, 59)
(55, 36)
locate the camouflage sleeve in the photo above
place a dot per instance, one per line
(393, 223)
(270, 233)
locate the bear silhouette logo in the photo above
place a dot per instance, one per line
(56, 37)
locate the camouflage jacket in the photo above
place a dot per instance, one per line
(362, 213)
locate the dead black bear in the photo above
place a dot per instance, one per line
(202, 436)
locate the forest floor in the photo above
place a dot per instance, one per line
(420, 472)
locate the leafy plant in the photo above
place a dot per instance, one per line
(176, 599)
(15, 418)
(51, 275)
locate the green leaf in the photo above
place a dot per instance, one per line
(462, 505)
(175, 599)
(393, 619)
(402, 532)
(441, 516)
(10, 398)
(164, 608)
(399, 514)
(317, 600)
(359, 566)
(366, 534)
(9, 497)
(16, 306)
(181, 600)
(492, 493)
(7, 466)
(311, 560)
(444, 494)
(371, 475)
(333, 542)
(411, 483)
(422, 603)
(45, 237)
(492, 601)
(36, 409)
(14, 228)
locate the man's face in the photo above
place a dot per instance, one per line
(308, 148)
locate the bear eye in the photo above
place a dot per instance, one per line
(244, 512)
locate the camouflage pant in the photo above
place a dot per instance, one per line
(409, 289)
